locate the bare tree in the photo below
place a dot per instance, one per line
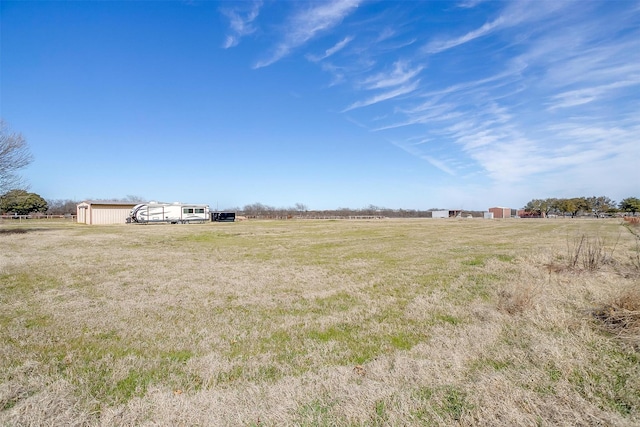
(14, 155)
(62, 207)
(600, 204)
(129, 198)
(134, 198)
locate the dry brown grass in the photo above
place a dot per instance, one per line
(632, 219)
(518, 299)
(323, 323)
(621, 314)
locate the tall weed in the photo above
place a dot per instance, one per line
(588, 253)
(634, 228)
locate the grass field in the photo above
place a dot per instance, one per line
(321, 323)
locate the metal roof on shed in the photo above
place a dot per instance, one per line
(108, 202)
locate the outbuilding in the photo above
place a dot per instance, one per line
(500, 212)
(446, 214)
(440, 214)
(103, 212)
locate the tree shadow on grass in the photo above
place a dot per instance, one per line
(6, 231)
(13, 231)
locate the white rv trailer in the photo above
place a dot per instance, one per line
(174, 213)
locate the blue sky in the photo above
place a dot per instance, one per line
(466, 104)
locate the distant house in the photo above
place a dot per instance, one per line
(101, 212)
(500, 212)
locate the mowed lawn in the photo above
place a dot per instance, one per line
(321, 323)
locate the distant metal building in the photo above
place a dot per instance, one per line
(100, 212)
(440, 214)
(500, 212)
(446, 214)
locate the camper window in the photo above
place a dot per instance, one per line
(187, 210)
(200, 210)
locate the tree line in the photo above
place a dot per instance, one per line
(595, 205)
(22, 202)
(15, 155)
(575, 206)
(259, 210)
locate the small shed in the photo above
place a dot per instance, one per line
(500, 212)
(103, 212)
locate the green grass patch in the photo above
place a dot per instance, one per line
(422, 403)
(333, 333)
(554, 373)
(338, 302)
(447, 318)
(380, 416)
(404, 340)
(24, 283)
(134, 384)
(37, 321)
(178, 356)
(433, 405)
(318, 413)
(230, 376)
(454, 403)
(612, 378)
(477, 261)
(357, 346)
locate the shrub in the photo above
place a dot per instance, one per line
(518, 299)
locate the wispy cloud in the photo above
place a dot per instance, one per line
(400, 74)
(338, 73)
(523, 109)
(516, 13)
(331, 51)
(403, 90)
(451, 103)
(241, 22)
(412, 149)
(469, 4)
(308, 24)
(431, 116)
(441, 45)
(385, 34)
(582, 96)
